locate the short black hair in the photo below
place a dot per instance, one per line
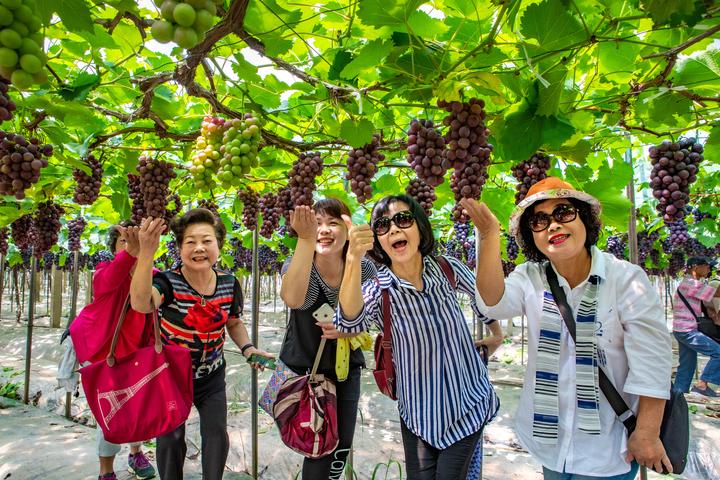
(114, 234)
(198, 215)
(590, 220)
(427, 239)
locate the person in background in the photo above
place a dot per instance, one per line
(563, 420)
(91, 332)
(445, 398)
(696, 290)
(310, 283)
(197, 304)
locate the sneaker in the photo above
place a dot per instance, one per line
(139, 466)
(108, 476)
(705, 392)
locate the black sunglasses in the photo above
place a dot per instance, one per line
(403, 220)
(563, 213)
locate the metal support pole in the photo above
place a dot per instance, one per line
(254, 339)
(632, 228)
(71, 317)
(31, 317)
(2, 282)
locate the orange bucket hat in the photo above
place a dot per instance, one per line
(546, 189)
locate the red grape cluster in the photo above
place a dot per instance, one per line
(46, 226)
(302, 178)
(155, 176)
(20, 163)
(4, 241)
(423, 193)
(284, 203)
(87, 188)
(209, 205)
(138, 209)
(529, 172)
(425, 152)
(362, 164)
(7, 106)
(21, 231)
(251, 207)
(467, 136)
(270, 214)
(171, 213)
(75, 230)
(467, 182)
(675, 167)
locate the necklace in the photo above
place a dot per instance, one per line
(203, 301)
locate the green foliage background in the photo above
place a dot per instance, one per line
(587, 81)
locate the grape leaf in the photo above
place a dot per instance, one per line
(549, 97)
(75, 14)
(369, 57)
(381, 13)
(552, 25)
(357, 133)
(701, 72)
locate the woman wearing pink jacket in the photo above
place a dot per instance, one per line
(92, 332)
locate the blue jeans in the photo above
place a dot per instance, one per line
(689, 345)
(553, 475)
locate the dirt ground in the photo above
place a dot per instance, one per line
(37, 442)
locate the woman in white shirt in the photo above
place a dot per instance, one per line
(563, 419)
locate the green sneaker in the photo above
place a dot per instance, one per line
(139, 466)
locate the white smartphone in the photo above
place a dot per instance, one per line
(324, 314)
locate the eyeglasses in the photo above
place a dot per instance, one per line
(563, 213)
(401, 219)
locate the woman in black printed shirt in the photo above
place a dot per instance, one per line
(311, 281)
(197, 303)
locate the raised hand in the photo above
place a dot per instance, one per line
(149, 234)
(486, 223)
(361, 238)
(304, 222)
(132, 240)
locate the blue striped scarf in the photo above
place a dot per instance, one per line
(545, 421)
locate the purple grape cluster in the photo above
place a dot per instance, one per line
(508, 267)
(22, 234)
(467, 182)
(171, 213)
(423, 193)
(674, 169)
(616, 246)
(284, 204)
(4, 233)
(676, 263)
(698, 215)
(425, 152)
(678, 234)
(251, 207)
(511, 247)
(155, 176)
(75, 228)
(270, 214)
(46, 226)
(7, 106)
(362, 164)
(302, 178)
(467, 135)
(646, 244)
(529, 172)
(99, 257)
(135, 194)
(21, 161)
(87, 187)
(173, 255)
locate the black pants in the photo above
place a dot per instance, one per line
(425, 462)
(331, 466)
(209, 398)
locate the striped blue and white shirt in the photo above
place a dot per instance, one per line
(444, 393)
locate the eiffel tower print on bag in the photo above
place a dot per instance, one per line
(143, 395)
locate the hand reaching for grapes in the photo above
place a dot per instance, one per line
(149, 235)
(132, 239)
(304, 222)
(483, 219)
(361, 238)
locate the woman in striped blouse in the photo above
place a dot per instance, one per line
(444, 394)
(197, 304)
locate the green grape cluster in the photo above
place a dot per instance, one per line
(227, 149)
(185, 21)
(21, 56)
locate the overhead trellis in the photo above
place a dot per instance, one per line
(580, 81)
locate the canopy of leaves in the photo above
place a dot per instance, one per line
(584, 81)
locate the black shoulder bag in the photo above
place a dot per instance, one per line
(675, 426)
(705, 324)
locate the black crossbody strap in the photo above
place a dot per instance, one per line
(687, 304)
(616, 401)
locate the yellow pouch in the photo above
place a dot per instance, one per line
(342, 357)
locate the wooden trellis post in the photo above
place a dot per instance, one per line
(57, 300)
